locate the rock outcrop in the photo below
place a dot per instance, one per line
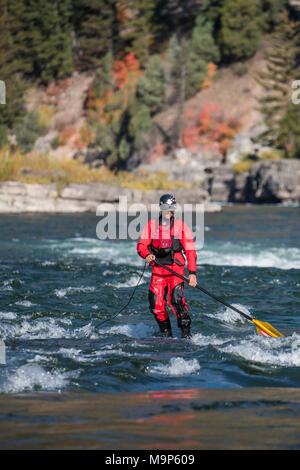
(18, 197)
(268, 181)
(273, 181)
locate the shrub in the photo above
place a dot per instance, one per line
(271, 154)
(66, 134)
(243, 166)
(213, 130)
(3, 135)
(45, 114)
(27, 130)
(55, 142)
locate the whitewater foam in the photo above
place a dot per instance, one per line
(48, 263)
(6, 286)
(36, 329)
(8, 315)
(231, 317)
(251, 255)
(212, 340)
(71, 290)
(32, 376)
(108, 350)
(139, 330)
(131, 282)
(283, 352)
(176, 367)
(24, 303)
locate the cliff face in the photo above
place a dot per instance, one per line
(266, 182)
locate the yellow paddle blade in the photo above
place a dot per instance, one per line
(266, 329)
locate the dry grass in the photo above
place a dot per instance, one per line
(243, 166)
(43, 169)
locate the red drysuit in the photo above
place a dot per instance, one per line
(178, 236)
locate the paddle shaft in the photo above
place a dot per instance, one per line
(206, 292)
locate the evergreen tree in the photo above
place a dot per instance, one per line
(140, 125)
(137, 32)
(269, 10)
(27, 130)
(273, 10)
(23, 18)
(212, 12)
(11, 74)
(103, 81)
(171, 70)
(41, 33)
(106, 136)
(186, 68)
(281, 70)
(242, 25)
(96, 30)
(202, 42)
(289, 134)
(150, 87)
(174, 17)
(120, 115)
(201, 50)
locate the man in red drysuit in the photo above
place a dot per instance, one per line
(166, 238)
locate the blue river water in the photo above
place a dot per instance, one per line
(59, 283)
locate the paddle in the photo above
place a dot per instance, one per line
(263, 328)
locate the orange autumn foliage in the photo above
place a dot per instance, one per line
(213, 130)
(211, 70)
(120, 73)
(66, 134)
(126, 70)
(191, 138)
(132, 62)
(124, 77)
(207, 117)
(78, 143)
(122, 12)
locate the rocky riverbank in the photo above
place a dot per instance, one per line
(18, 197)
(267, 181)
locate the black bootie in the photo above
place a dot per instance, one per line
(184, 323)
(186, 332)
(165, 328)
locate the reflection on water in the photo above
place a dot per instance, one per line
(248, 418)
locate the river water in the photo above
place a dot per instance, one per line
(60, 287)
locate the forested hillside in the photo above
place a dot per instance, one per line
(144, 59)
